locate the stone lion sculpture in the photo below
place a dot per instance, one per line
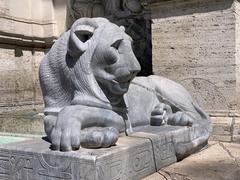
(91, 93)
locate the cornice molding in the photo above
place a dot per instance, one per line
(27, 41)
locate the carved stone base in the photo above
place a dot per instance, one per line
(133, 157)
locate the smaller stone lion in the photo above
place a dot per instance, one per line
(91, 93)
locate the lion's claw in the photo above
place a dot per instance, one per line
(94, 137)
(66, 138)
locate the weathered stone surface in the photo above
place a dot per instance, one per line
(155, 176)
(133, 157)
(194, 43)
(27, 30)
(226, 138)
(21, 97)
(236, 130)
(222, 120)
(222, 129)
(19, 76)
(24, 121)
(33, 23)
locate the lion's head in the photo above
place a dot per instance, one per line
(101, 53)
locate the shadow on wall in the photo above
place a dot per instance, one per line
(18, 52)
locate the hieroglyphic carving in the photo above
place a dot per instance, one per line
(86, 172)
(54, 167)
(83, 170)
(164, 151)
(141, 162)
(16, 166)
(133, 164)
(164, 148)
(112, 168)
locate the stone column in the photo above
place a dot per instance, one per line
(196, 43)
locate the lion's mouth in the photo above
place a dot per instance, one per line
(121, 86)
(123, 83)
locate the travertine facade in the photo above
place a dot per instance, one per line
(27, 30)
(197, 44)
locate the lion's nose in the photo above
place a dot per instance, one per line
(134, 67)
(134, 72)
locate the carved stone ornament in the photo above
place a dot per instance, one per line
(91, 93)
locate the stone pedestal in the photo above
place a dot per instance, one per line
(133, 157)
(197, 44)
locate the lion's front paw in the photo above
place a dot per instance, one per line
(97, 137)
(66, 136)
(160, 114)
(180, 119)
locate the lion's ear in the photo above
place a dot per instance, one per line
(80, 33)
(84, 34)
(122, 28)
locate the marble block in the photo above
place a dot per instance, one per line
(133, 157)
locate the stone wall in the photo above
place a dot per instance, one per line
(20, 92)
(196, 42)
(28, 29)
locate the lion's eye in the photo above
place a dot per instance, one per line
(116, 44)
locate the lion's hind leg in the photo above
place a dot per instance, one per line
(175, 95)
(184, 112)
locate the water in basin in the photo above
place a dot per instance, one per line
(11, 139)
